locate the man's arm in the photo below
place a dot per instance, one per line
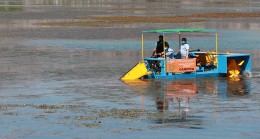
(187, 53)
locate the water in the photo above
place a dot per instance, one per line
(228, 40)
(63, 82)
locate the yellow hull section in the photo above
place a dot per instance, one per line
(138, 71)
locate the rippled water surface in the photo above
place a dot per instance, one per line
(63, 82)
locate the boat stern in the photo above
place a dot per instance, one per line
(234, 64)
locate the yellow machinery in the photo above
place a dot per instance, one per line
(138, 71)
(234, 68)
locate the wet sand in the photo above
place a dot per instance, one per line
(73, 90)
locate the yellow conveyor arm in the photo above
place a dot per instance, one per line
(138, 71)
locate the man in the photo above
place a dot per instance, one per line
(184, 49)
(159, 47)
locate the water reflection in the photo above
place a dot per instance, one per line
(166, 93)
(225, 88)
(178, 92)
(238, 87)
(175, 101)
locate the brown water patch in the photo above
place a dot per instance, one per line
(134, 9)
(146, 19)
(78, 23)
(114, 20)
(227, 15)
(229, 2)
(105, 21)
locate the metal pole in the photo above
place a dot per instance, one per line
(163, 46)
(216, 43)
(216, 49)
(142, 46)
(164, 54)
(179, 41)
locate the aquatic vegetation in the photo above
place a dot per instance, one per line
(89, 125)
(10, 9)
(44, 106)
(134, 9)
(76, 23)
(120, 113)
(105, 21)
(11, 113)
(10, 6)
(227, 15)
(94, 118)
(145, 19)
(115, 20)
(230, 2)
(11, 3)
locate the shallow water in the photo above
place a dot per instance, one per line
(228, 40)
(63, 82)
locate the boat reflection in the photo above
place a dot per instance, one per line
(171, 99)
(225, 87)
(239, 87)
(179, 91)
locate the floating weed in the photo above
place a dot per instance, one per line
(115, 20)
(40, 117)
(10, 9)
(134, 9)
(50, 111)
(10, 113)
(84, 118)
(11, 3)
(227, 15)
(76, 23)
(8, 106)
(135, 129)
(48, 107)
(230, 2)
(121, 113)
(90, 125)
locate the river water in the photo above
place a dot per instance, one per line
(63, 82)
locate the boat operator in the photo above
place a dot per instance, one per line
(159, 47)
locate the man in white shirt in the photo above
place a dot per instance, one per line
(184, 49)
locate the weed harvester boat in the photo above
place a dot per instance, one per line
(201, 64)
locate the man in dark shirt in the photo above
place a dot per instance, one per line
(159, 47)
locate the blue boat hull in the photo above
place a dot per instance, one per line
(218, 69)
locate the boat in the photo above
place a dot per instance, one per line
(200, 64)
